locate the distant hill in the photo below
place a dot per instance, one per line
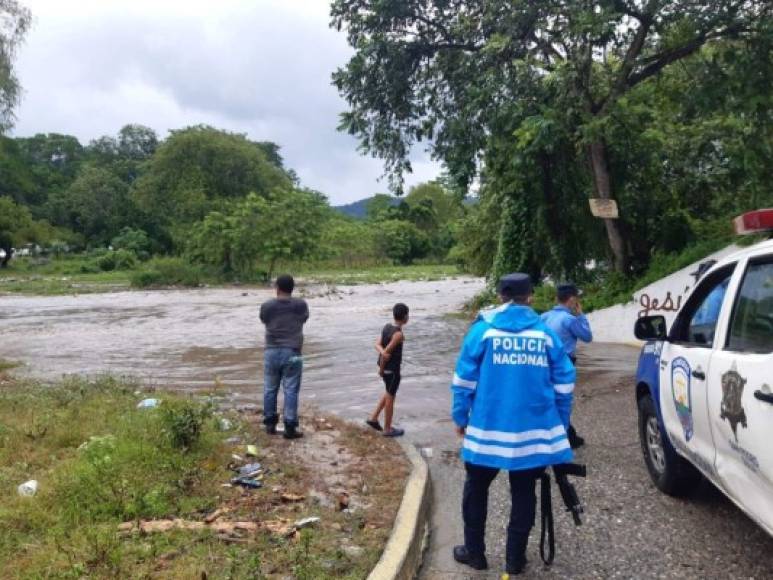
(359, 209)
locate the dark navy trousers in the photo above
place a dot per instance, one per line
(522, 508)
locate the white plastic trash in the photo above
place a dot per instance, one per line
(148, 403)
(225, 424)
(306, 523)
(28, 488)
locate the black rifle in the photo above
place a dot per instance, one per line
(571, 501)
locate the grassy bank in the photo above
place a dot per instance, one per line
(606, 289)
(376, 274)
(101, 462)
(76, 275)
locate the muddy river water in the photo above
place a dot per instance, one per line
(188, 339)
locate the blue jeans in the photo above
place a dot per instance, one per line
(281, 366)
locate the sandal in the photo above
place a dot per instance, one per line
(375, 424)
(394, 432)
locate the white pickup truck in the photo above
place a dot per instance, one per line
(704, 388)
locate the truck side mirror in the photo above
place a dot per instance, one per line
(651, 328)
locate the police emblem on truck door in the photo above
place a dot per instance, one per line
(680, 389)
(732, 406)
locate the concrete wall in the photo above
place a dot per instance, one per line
(664, 297)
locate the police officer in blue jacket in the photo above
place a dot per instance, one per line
(512, 400)
(570, 324)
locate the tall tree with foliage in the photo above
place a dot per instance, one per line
(16, 227)
(15, 20)
(447, 71)
(201, 169)
(258, 232)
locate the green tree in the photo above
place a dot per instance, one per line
(97, 205)
(260, 231)
(401, 241)
(201, 169)
(349, 240)
(16, 227)
(133, 240)
(16, 178)
(379, 205)
(15, 20)
(450, 71)
(446, 205)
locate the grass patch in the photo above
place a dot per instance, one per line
(6, 365)
(376, 274)
(78, 275)
(101, 462)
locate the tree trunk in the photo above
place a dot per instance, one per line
(600, 170)
(8, 255)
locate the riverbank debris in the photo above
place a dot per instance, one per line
(148, 403)
(28, 488)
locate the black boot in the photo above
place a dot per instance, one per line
(291, 432)
(516, 554)
(575, 441)
(474, 561)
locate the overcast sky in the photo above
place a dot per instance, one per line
(260, 67)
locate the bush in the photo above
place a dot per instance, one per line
(183, 424)
(116, 260)
(89, 267)
(136, 241)
(168, 272)
(146, 279)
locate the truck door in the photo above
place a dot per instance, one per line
(741, 396)
(684, 366)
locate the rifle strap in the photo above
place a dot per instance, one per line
(546, 512)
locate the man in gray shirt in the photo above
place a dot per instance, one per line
(284, 317)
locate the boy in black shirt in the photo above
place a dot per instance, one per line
(390, 350)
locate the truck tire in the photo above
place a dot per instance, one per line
(671, 473)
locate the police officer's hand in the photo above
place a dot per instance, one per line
(460, 431)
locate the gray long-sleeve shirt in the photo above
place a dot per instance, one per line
(284, 319)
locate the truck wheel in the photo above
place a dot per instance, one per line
(671, 473)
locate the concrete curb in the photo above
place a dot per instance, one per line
(403, 554)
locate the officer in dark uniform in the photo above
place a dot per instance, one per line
(512, 400)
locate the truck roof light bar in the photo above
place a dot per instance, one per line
(754, 222)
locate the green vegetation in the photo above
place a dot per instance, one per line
(663, 106)
(377, 274)
(101, 462)
(202, 206)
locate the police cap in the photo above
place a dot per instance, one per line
(565, 291)
(515, 284)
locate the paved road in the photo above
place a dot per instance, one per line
(631, 530)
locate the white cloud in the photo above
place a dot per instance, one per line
(260, 67)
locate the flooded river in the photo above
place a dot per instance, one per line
(187, 339)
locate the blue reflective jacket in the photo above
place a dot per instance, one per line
(569, 327)
(512, 390)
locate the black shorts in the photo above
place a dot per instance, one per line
(391, 381)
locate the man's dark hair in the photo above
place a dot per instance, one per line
(400, 312)
(522, 299)
(285, 283)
